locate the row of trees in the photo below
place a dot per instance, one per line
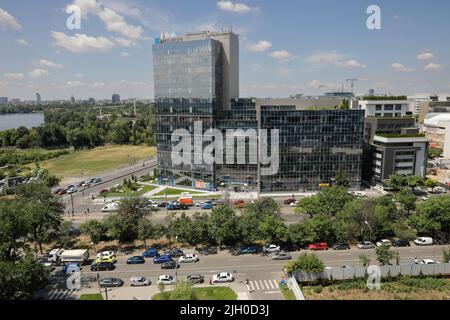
(34, 216)
(81, 128)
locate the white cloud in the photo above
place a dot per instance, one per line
(350, 64)
(125, 42)
(124, 55)
(14, 76)
(50, 64)
(261, 46)
(79, 75)
(234, 7)
(425, 56)
(281, 55)
(37, 73)
(330, 58)
(82, 42)
(22, 42)
(401, 68)
(7, 21)
(75, 83)
(433, 66)
(113, 21)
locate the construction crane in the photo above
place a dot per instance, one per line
(352, 81)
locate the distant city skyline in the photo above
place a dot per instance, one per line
(286, 47)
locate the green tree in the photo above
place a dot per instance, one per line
(249, 227)
(384, 254)
(182, 291)
(407, 199)
(14, 229)
(365, 260)
(272, 229)
(341, 179)
(306, 263)
(319, 228)
(146, 230)
(96, 230)
(223, 225)
(430, 183)
(328, 201)
(263, 207)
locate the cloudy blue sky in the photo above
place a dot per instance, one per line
(287, 46)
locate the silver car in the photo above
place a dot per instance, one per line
(281, 256)
(139, 281)
(366, 245)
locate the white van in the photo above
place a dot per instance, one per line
(424, 241)
(54, 255)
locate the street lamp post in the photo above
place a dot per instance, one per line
(370, 229)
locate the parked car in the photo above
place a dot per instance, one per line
(136, 260)
(108, 253)
(162, 204)
(401, 243)
(188, 258)
(110, 282)
(195, 278)
(290, 247)
(167, 280)
(248, 250)
(170, 265)
(95, 180)
(271, 248)
(365, 245)
(150, 253)
(440, 190)
(109, 259)
(57, 191)
(177, 206)
(240, 204)
(71, 268)
(138, 281)
(222, 277)
(318, 246)
(111, 207)
(162, 259)
(281, 256)
(71, 189)
(428, 261)
(175, 252)
(102, 266)
(341, 246)
(384, 242)
(289, 201)
(207, 206)
(424, 241)
(80, 184)
(294, 204)
(62, 192)
(208, 251)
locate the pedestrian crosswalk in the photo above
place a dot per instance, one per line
(59, 294)
(262, 285)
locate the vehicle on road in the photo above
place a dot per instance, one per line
(271, 248)
(294, 204)
(208, 251)
(177, 206)
(71, 189)
(248, 250)
(207, 206)
(222, 277)
(61, 192)
(428, 261)
(440, 190)
(54, 255)
(162, 259)
(108, 253)
(110, 282)
(95, 180)
(424, 241)
(341, 246)
(57, 191)
(102, 266)
(401, 243)
(384, 242)
(188, 258)
(138, 281)
(240, 204)
(136, 260)
(195, 278)
(111, 207)
(162, 204)
(175, 252)
(80, 256)
(365, 245)
(170, 265)
(109, 259)
(71, 268)
(186, 199)
(150, 253)
(167, 280)
(289, 201)
(318, 246)
(281, 256)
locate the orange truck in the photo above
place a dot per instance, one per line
(186, 199)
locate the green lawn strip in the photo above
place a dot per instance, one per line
(287, 293)
(130, 193)
(207, 293)
(92, 297)
(175, 192)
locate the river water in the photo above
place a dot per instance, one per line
(16, 120)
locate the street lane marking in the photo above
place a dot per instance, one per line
(262, 285)
(256, 285)
(251, 285)
(267, 284)
(271, 292)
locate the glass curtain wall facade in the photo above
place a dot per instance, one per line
(314, 145)
(187, 76)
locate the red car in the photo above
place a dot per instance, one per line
(62, 192)
(318, 246)
(240, 204)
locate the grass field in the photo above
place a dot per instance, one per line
(175, 192)
(287, 293)
(207, 293)
(92, 297)
(98, 160)
(130, 193)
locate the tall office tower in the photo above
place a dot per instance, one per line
(115, 98)
(195, 77)
(38, 98)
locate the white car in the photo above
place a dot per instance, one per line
(222, 277)
(424, 241)
(167, 280)
(428, 261)
(271, 248)
(294, 204)
(188, 258)
(139, 281)
(385, 242)
(440, 190)
(104, 254)
(111, 207)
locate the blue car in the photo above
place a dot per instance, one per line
(207, 206)
(249, 250)
(162, 259)
(136, 260)
(150, 253)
